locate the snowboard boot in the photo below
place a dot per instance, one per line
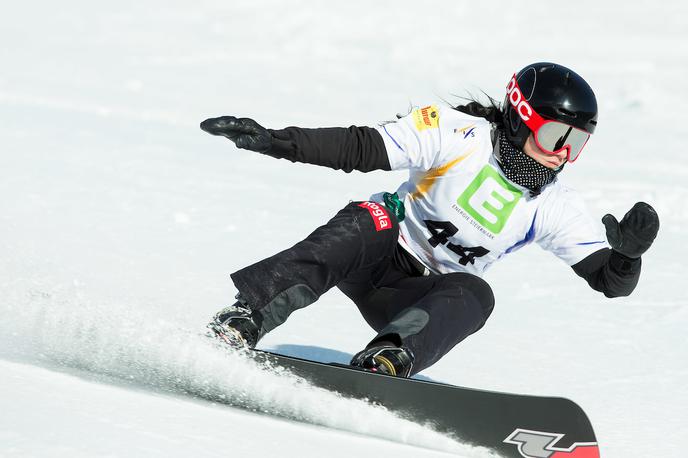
(385, 359)
(237, 325)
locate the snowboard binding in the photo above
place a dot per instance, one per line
(385, 359)
(236, 325)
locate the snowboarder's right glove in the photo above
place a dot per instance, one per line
(636, 232)
(244, 132)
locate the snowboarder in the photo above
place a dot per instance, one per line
(483, 183)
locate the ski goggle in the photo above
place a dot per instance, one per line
(550, 136)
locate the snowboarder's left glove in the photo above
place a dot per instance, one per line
(636, 232)
(244, 132)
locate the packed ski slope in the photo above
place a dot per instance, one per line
(120, 220)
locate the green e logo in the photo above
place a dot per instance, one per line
(490, 199)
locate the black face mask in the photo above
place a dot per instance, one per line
(523, 169)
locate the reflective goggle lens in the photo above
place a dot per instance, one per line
(554, 136)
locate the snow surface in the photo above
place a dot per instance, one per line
(120, 220)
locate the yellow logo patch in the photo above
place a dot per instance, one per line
(427, 118)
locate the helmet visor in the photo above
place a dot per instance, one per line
(553, 137)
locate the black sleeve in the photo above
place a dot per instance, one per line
(609, 272)
(355, 148)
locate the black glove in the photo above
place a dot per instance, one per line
(636, 232)
(244, 132)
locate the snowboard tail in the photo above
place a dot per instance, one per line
(512, 424)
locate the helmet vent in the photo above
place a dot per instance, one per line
(567, 79)
(566, 112)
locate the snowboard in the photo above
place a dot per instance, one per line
(514, 425)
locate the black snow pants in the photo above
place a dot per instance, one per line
(357, 251)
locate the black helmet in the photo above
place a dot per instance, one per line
(555, 93)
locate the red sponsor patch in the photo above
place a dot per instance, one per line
(379, 215)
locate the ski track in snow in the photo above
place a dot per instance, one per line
(62, 330)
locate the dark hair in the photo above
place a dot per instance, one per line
(492, 112)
